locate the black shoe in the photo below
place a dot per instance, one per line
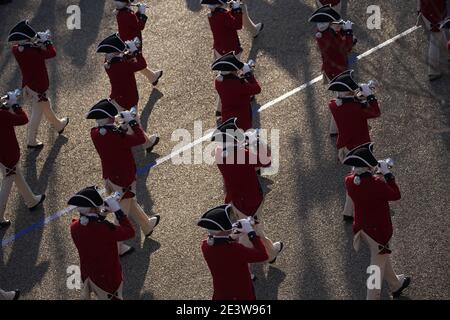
(150, 149)
(218, 114)
(38, 146)
(62, 130)
(17, 295)
(158, 218)
(5, 224)
(262, 28)
(129, 251)
(405, 285)
(347, 218)
(159, 77)
(38, 204)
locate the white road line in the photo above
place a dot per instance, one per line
(268, 105)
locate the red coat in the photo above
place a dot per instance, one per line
(228, 263)
(123, 82)
(371, 199)
(241, 181)
(332, 2)
(10, 150)
(97, 248)
(224, 27)
(435, 11)
(115, 151)
(130, 24)
(32, 64)
(235, 96)
(334, 48)
(351, 121)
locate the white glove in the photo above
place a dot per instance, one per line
(347, 25)
(384, 167)
(12, 98)
(245, 226)
(127, 116)
(246, 68)
(112, 204)
(44, 36)
(141, 8)
(235, 5)
(131, 46)
(365, 89)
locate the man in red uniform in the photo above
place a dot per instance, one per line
(238, 156)
(228, 260)
(352, 108)
(96, 241)
(114, 147)
(433, 12)
(335, 43)
(12, 115)
(31, 51)
(121, 65)
(131, 24)
(372, 186)
(335, 40)
(235, 91)
(336, 4)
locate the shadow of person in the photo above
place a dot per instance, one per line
(147, 110)
(194, 5)
(135, 268)
(80, 41)
(267, 285)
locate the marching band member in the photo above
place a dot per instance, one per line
(9, 295)
(235, 92)
(12, 115)
(121, 65)
(238, 156)
(335, 40)
(114, 147)
(371, 193)
(228, 260)
(351, 112)
(31, 51)
(131, 24)
(433, 12)
(335, 4)
(96, 241)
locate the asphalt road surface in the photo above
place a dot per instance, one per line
(304, 199)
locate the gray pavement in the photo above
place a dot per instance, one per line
(303, 205)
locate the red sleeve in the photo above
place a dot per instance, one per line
(348, 42)
(389, 190)
(124, 231)
(141, 21)
(235, 19)
(373, 110)
(252, 255)
(251, 86)
(18, 118)
(49, 52)
(136, 139)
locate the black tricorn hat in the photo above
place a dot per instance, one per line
(228, 131)
(112, 44)
(361, 156)
(213, 2)
(228, 62)
(325, 14)
(343, 82)
(446, 23)
(217, 219)
(87, 198)
(22, 32)
(102, 110)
